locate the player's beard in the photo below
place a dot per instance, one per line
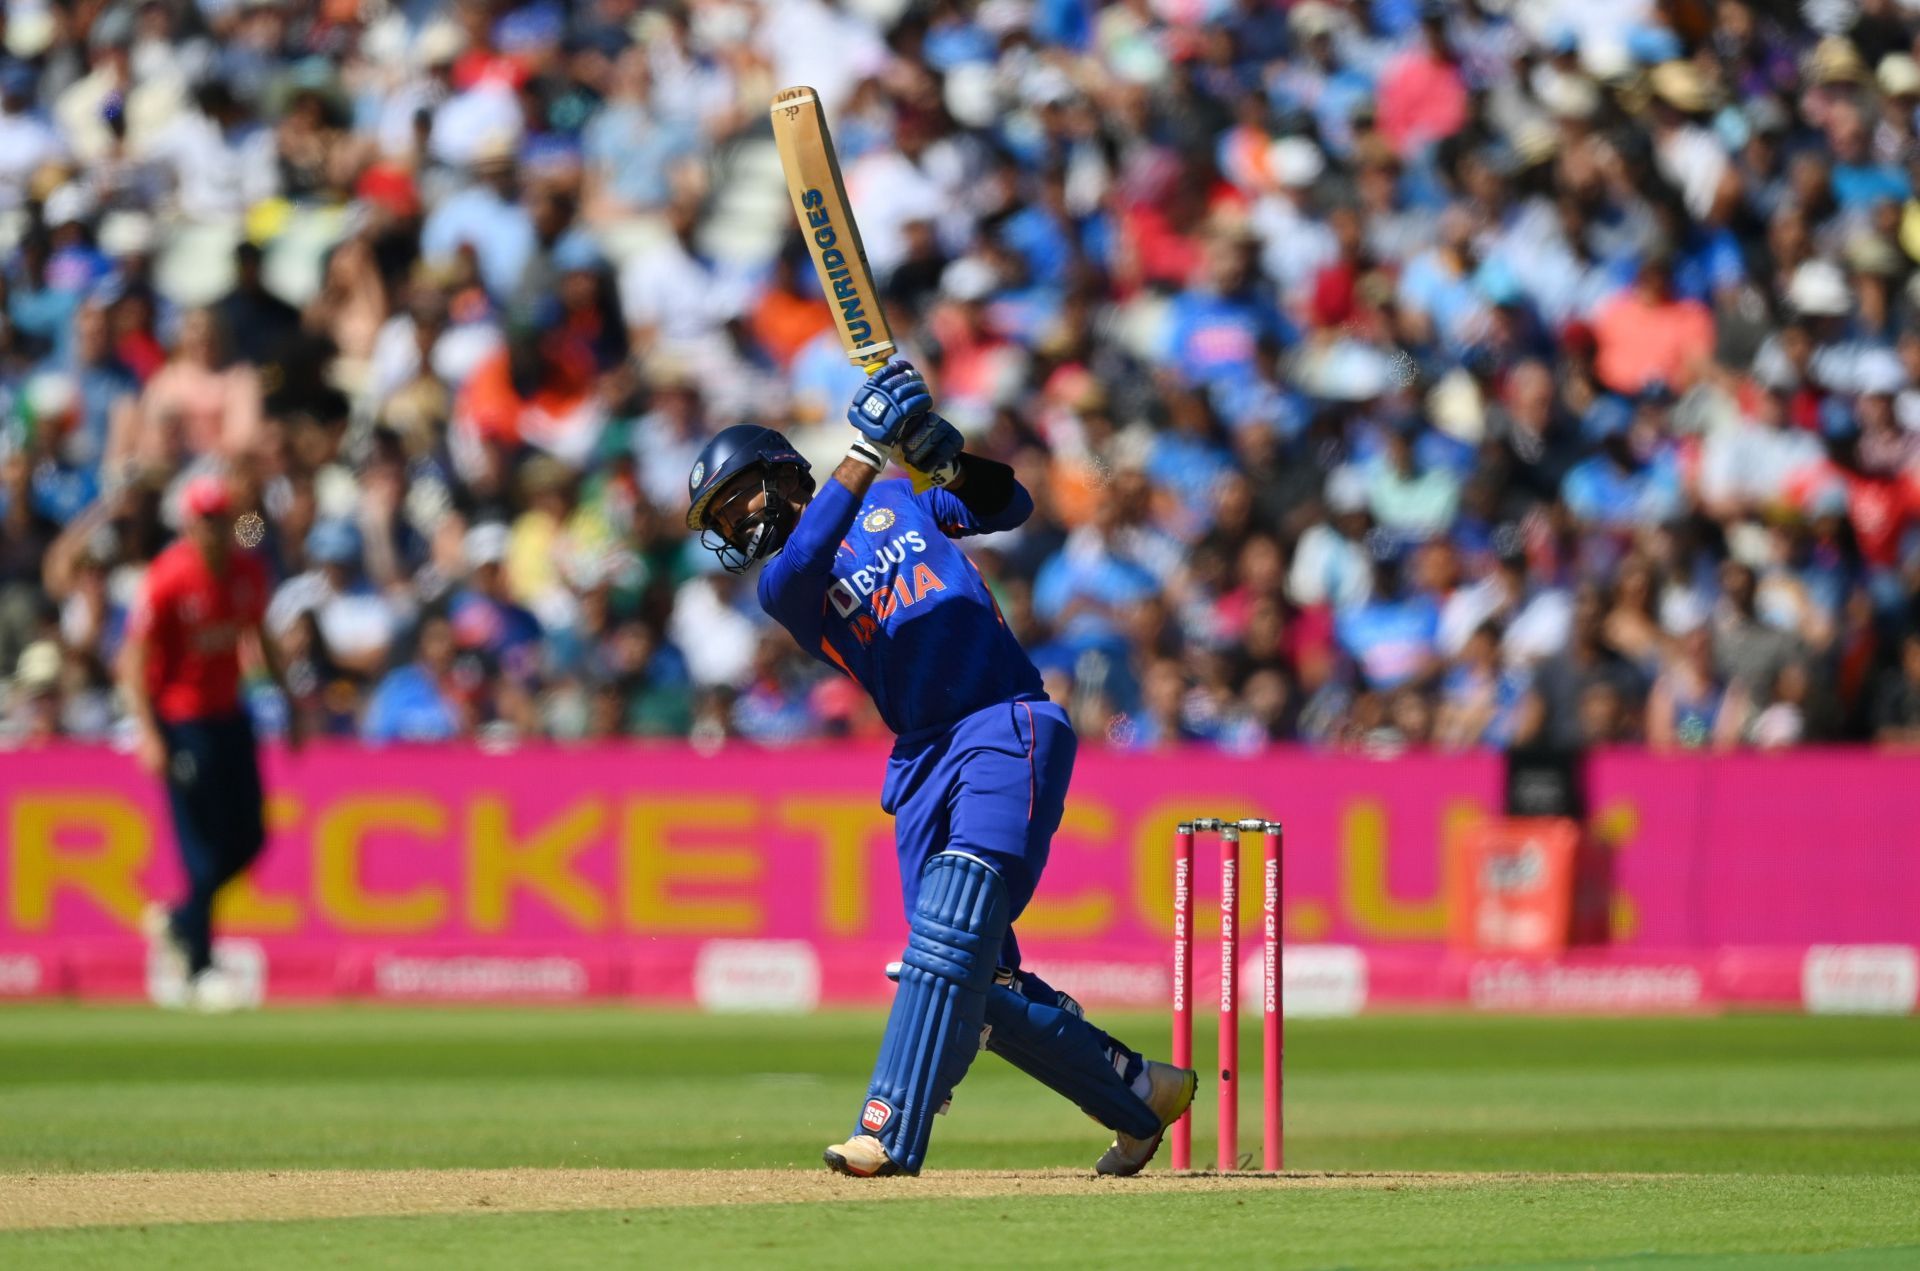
(761, 534)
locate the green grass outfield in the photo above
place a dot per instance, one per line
(1745, 1141)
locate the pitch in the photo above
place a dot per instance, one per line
(363, 1136)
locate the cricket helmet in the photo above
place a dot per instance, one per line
(784, 474)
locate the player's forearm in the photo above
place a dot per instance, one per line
(133, 689)
(857, 475)
(271, 659)
(829, 517)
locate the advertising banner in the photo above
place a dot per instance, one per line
(749, 879)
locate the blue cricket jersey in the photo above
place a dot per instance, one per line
(875, 588)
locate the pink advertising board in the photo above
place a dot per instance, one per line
(751, 878)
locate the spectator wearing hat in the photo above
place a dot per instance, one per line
(32, 716)
(201, 601)
(1898, 79)
(486, 619)
(357, 621)
(487, 219)
(1295, 244)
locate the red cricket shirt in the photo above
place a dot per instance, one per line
(191, 619)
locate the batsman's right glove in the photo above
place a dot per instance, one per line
(889, 402)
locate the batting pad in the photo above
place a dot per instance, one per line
(933, 1032)
(1040, 1031)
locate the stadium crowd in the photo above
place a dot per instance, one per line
(1386, 374)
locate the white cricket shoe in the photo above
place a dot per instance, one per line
(861, 1157)
(1170, 1093)
(166, 959)
(217, 992)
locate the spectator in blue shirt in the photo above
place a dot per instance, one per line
(418, 702)
(488, 218)
(1393, 636)
(1214, 329)
(485, 617)
(1634, 480)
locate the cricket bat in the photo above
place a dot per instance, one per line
(826, 221)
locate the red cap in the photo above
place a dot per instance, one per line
(206, 496)
(390, 187)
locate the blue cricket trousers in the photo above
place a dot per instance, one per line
(993, 784)
(219, 817)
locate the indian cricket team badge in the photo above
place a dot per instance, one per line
(877, 520)
(699, 474)
(876, 1116)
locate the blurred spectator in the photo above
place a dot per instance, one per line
(1691, 707)
(416, 702)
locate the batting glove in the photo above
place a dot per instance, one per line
(930, 443)
(892, 398)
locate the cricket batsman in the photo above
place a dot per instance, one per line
(864, 574)
(180, 674)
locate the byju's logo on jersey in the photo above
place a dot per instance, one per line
(877, 520)
(876, 1116)
(850, 593)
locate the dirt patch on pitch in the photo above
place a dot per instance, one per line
(102, 1200)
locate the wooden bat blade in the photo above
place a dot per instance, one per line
(826, 221)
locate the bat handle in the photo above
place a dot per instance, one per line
(922, 481)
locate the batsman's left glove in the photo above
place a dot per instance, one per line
(930, 443)
(891, 399)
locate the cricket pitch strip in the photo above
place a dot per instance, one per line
(124, 1199)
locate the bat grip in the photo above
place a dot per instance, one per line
(922, 481)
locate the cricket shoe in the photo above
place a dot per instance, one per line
(166, 958)
(862, 1157)
(217, 992)
(1169, 1093)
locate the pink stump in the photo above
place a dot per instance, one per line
(1229, 997)
(1182, 1131)
(1274, 1040)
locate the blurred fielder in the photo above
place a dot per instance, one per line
(863, 573)
(180, 675)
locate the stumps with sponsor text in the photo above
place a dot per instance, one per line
(1271, 990)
